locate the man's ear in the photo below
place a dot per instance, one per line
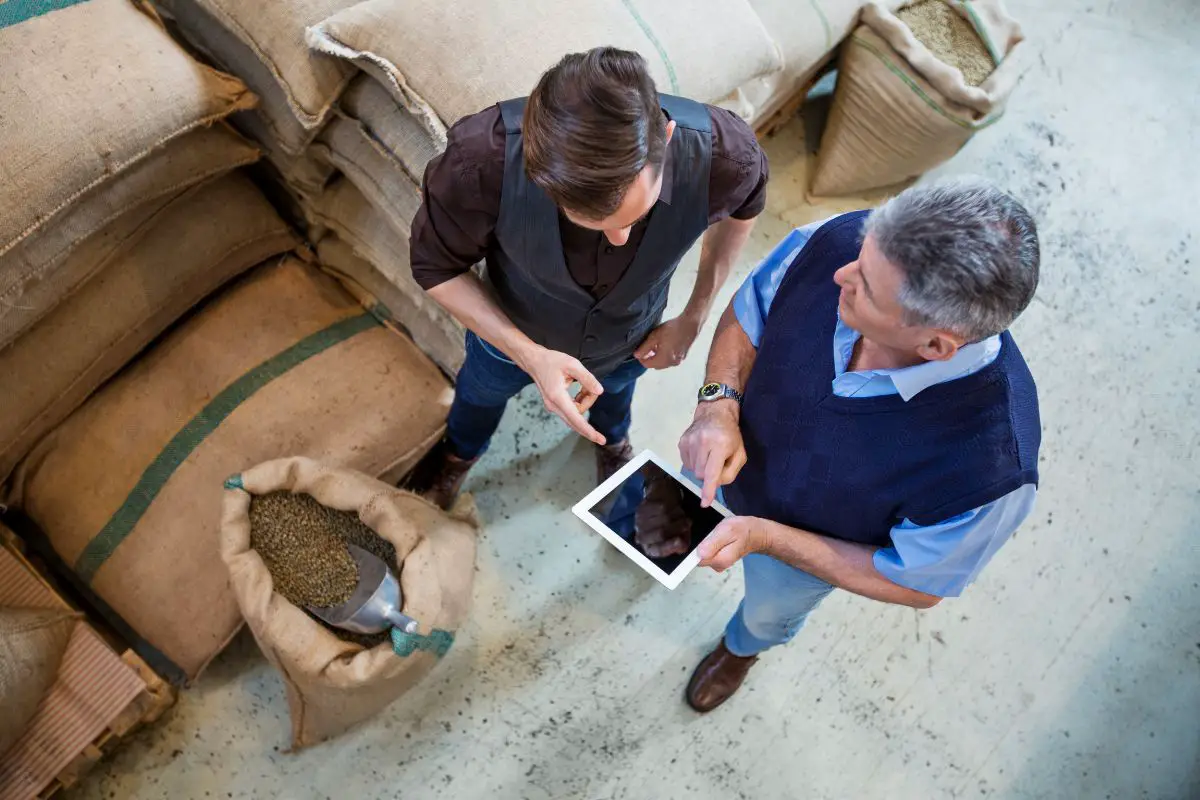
(940, 346)
(670, 130)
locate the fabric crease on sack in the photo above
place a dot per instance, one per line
(332, 684)
(283, 362)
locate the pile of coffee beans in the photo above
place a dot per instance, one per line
(950, 38)
(303, 544)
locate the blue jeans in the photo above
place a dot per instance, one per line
(778, 600)
(489, 379)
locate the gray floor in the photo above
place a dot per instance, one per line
(1071, 669)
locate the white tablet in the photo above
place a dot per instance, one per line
(611, 511)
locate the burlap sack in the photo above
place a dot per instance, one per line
(87, 92)
(332, 684)
(898, 111)
(347, 145)
(808, 34)
(263, 44)
(445, 59)
(284, 362)
(304, 173)
(345, 212)
(163, 267)
(32, 278)
(399, 298)
(32, 643)
(390, 125)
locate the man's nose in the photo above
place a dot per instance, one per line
(841, 276)
(618, 236)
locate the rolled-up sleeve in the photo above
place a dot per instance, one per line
(753, 300)
(943, 559)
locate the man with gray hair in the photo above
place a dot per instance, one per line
(887, 442)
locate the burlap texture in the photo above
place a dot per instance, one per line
(33, 279)
(391, 126)
(128, 489)
(332, 684)
(347, 145)
(88, 92)
(445, 59)
(166, 264)
(889, 122)
(32, 643)
(346, 212)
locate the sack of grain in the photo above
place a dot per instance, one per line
(283, 362)
(343, 216)
(390, 125)
(32, 643)
(263, 44)
(903, 105)
(333, 684)
(39, 273)
(70, 124)
(162, 267)
(347, 145)
(808, 35)
(391, 290)
(304, 173)
(445, 59)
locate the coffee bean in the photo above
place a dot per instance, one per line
(303, 545)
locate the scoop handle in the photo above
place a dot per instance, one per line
(402, 621)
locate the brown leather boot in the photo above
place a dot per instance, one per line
(611, 457)
(439, 476)
(716, 678)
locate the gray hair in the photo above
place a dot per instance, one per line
(968, 251)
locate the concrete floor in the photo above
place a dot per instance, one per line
(1071, 669)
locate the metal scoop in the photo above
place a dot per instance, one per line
(375, 604)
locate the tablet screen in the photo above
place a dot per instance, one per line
(655, 513)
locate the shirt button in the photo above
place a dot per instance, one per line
(602, 288)
(589, 338)
(608, 250)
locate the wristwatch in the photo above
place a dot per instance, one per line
(718, 391)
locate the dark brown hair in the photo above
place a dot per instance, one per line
(592, 124)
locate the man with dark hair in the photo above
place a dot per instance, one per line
(887, 442)
(581, 199)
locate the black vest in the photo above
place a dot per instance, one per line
(852, 468)
(528, 272)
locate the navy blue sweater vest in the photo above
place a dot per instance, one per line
(852, 468)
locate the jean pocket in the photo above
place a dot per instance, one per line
(490, 350)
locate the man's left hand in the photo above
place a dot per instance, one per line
(731, 540)
(668, 344)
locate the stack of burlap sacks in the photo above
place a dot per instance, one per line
(157, 331)
(358, 97)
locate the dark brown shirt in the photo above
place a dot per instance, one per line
(455, 225)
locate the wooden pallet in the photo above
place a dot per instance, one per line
(146, 707)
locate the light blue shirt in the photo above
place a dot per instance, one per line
(941, 559)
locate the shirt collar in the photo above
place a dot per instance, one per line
(668, 170)
(911, 381)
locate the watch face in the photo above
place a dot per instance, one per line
(710, 390)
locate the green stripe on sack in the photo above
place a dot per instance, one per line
(102, 546)
(437, 642)
(662, 51)
(14, 12)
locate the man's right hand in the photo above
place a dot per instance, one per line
(554, 372)
(712, 447)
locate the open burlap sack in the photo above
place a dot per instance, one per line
(283, 362)
(88, 91)
(390, 125)
(263, 44)
(342, 216)
(349, 147)
(39, 273)
(32, 643)
(445, 59)
(333, 684)
(898, 111)
(165, 265)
